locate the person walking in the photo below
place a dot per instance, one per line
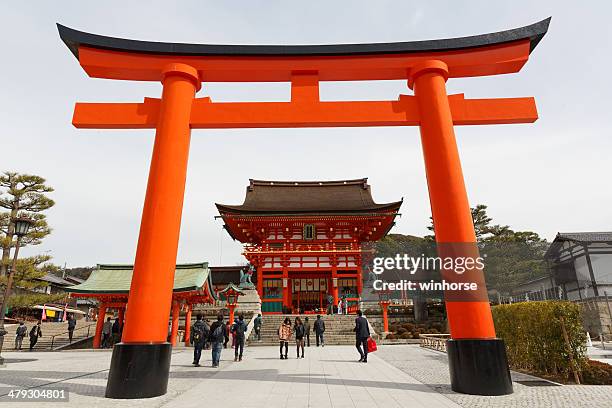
(227, 330)
(20, 333)
(307, 331)
(35, 333)
(218, 337)
(116, 332)
(107, 330)
(300, 332)
(319, 329)
(340, 304)
(362, 333)
(239, 330)
(207, 332)
(198, 336)
(71, 326)
(284, 334)
(257, 326)
(232, 331)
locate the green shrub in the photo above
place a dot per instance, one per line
(406, 335)
(597, 373)
(391, 336)
(408, 326)
(534, 337)
(401, 330)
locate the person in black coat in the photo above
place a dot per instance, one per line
(71, 326)
(217, 336)
(300, 332)
(35, 333)
(319, 329)
(307, 331)
(198, 336)
(238, 330)
(362, 333)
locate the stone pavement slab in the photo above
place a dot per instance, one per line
(327, 377)
(395, 376)
(431, 368)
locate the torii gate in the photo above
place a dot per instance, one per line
(140, 365)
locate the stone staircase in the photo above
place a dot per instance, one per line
(54, 335)
(338, 329)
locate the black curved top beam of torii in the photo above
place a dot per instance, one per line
(75, 39)
(304, 66)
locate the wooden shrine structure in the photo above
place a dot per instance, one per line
(110, 286)
(304, 240)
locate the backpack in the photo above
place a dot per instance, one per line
(197, 334)
(21, 331)
(217, 334)
(239, 328)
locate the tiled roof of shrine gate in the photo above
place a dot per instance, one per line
(112, 279)
(308, 197)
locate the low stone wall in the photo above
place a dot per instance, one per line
(596, 317)
(377, 321)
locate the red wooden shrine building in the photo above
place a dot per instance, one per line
(304, 239)
(110, 284)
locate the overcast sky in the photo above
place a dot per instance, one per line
(550, 176)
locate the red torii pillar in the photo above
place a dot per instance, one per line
(188, 325)
(101, 316)
(175, 321)
(150, 295)
(471, 323)
(121, 320)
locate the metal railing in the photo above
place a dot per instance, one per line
(73, 334)
(434, 341)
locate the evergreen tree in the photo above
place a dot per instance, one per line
(27, 282)
(512, 257)
(22, 194)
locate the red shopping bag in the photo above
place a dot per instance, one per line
(371, 345)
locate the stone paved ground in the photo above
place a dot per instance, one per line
(431, 368)
(396, 376)
(327, 377)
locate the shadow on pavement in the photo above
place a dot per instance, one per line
(273, 375)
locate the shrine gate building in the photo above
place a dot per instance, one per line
(304, 240)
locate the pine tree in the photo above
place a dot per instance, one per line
(27, 282)
(22, 194)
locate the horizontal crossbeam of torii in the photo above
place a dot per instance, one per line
(140, 364)
(303, 113)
